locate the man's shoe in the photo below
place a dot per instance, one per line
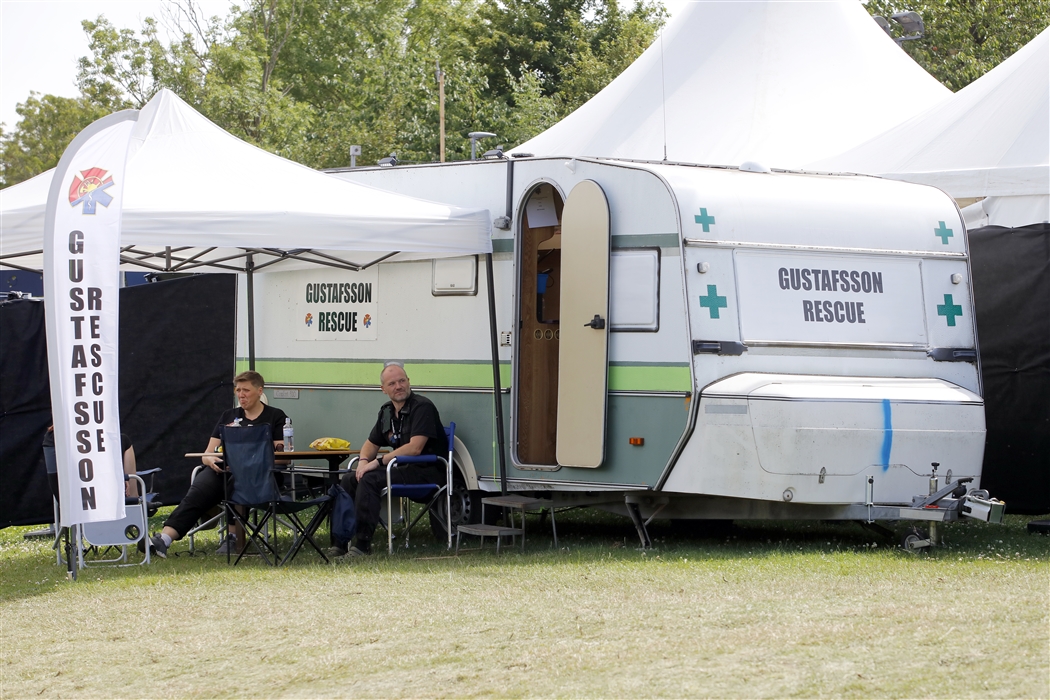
(349, 555)
(228, 546)
(334, 552)
(156, 546)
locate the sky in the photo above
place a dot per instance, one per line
(41, 40)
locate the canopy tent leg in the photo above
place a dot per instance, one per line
(249, 268)
(497, 390)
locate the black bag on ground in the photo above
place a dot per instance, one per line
(344, 515)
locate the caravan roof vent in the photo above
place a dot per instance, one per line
(753, 167)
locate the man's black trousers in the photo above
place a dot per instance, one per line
(366, 492)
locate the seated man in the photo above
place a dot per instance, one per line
(208, 489)
(409, 424)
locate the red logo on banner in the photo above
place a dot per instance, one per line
(90, 190)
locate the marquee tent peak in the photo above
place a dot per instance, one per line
(990, 139)
(190, 184)
(781, 83)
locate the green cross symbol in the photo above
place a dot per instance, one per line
(713, 302)
(706, 221)
(949, 310)
(944, 233)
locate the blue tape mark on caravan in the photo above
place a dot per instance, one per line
(887, 433)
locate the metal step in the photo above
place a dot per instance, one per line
(482, 530)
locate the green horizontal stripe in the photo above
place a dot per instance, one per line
(467, 374)
(649, 378)
(450, 374)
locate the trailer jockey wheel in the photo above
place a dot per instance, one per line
(916, 540)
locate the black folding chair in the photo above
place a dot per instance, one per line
(248, 454)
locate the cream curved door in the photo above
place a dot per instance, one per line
(583, 355)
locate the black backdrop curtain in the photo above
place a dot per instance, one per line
(177, 360)
(1011, 288)
(25, 414)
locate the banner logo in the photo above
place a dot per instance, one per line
(90, 190)
(309, 320)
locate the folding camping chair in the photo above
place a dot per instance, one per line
(420, 492)
(120, 534)
(249, 456)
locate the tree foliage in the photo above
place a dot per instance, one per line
(964, 39)
(307, 78)
(46, 126)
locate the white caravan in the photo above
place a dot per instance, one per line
(679, 341)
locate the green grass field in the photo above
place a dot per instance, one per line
(761, 610)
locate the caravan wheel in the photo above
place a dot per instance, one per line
(466, 509)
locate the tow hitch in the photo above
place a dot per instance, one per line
(950, 503)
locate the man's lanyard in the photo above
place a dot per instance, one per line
(397, 422)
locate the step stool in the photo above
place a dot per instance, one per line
(512, 502)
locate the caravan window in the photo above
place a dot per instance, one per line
(634, 290)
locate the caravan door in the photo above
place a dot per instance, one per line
(583, 356)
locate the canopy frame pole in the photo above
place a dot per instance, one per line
(7, 256)
(497, 390)
(249, 268)
(23, 269)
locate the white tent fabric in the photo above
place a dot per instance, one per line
(991, 139)
(1011, 212)
(189, 183)
(779, 82)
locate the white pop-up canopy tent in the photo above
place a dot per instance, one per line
(991, 139)
(197, 196)
(781, 83)
(198, 199)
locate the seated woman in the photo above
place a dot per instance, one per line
(209, 488)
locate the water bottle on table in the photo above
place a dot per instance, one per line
(289, 436)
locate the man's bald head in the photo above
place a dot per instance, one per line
(391, 367)
(393, 380)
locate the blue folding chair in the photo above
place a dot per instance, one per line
(248, 454)
(429, 493)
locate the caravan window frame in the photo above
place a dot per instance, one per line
(655, 328)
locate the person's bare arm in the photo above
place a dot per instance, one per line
(414, 447)
(369, 450)
(367, 462)
(131, 487)
(213, 462)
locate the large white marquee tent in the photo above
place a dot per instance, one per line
(196, 195)
(782, 83)
(990, 140)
